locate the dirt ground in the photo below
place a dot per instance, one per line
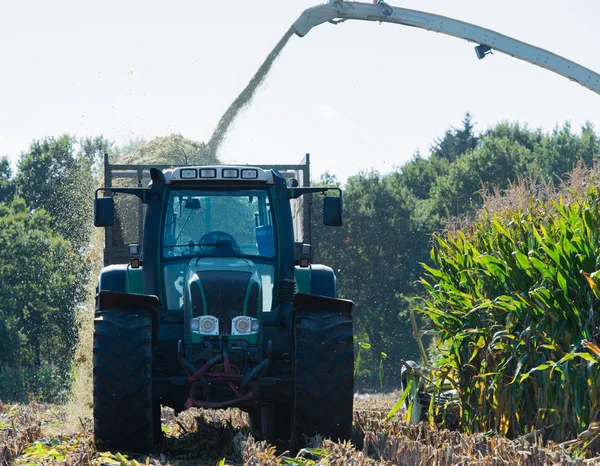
(47, 434)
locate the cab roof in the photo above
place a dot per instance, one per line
(212, 173)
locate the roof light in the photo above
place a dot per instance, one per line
(249, 173)
(188, 173)
(231, 173)
(208, 173)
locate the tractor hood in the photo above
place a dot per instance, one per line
(224, 288)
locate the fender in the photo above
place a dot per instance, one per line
(309, 302)
(130, 302)
(121, 278)
(316, 279)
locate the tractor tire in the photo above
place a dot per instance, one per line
(324, 377)
(254, 422)
(271, 422)
(126, 417)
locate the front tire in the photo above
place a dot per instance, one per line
(324, 376)
(125, 414)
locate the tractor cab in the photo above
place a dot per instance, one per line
(224, 290)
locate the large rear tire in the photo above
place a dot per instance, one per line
(125, 415)
(324, 376)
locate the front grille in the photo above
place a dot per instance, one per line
(225, 292)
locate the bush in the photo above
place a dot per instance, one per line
(48, 384)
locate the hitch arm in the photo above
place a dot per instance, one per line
(337, 11)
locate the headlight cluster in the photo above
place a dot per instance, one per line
(242, 325)
(205, 325)
(209, 325)
(225, 173)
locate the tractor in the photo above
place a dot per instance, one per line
(219, 307)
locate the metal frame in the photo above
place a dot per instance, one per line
(139, 172)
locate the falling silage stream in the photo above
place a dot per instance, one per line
(245, 97)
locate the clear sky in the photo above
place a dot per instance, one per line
(356, 95)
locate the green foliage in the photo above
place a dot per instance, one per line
(7, 186)
(496, 163)
(376, 257)
(515, 300)
(47, 383)
(400, 401)
(39, 284)
(54, 175)
(456, 142)
(420, 174)
(389, 220)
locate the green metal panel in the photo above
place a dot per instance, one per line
(134, 280)
(302, 275)
(223, 264)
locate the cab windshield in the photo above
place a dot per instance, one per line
(218, 223)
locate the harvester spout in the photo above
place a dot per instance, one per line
(314, 16)
(336, 11)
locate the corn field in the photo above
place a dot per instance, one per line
(515, 298)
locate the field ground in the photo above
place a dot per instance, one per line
(49, 434)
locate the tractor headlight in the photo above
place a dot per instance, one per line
(242, 325)
(205, 325)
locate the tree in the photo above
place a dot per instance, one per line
(559, 152)
(497, 162)
(58, 177)
(39, 290)
(389, 219)
(7, 186)
(375, 256)
(420, 174)
(92, 150)
(516, 132)
(456, 141)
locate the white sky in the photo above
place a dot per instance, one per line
(356, 95)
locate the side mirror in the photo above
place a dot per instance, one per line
(104, 212)
(332, 211)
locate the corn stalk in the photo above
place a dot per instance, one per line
(515, 299)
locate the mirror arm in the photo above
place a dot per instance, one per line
(295, 193)
(141, 193)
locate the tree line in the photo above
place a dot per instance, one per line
(389, 220)
(45, 228)
(46, 210)
(46, 262)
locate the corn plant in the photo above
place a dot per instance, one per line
(515, 298)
